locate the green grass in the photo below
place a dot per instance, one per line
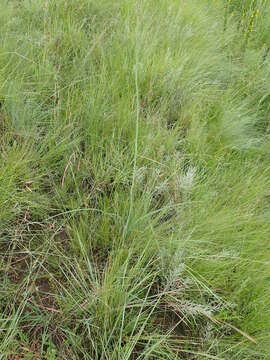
(134, 179)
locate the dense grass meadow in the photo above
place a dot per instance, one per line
(134, 179)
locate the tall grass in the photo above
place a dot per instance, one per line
(134, 180)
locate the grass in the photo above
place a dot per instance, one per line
(134, 179)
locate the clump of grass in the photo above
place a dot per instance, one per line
(134, 180)
(247, 15)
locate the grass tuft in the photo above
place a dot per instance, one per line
(134, 179)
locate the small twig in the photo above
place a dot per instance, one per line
(65, 173)
(50, 309)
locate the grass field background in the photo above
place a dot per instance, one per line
(134, 179)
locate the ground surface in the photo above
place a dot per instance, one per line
(134, 179)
